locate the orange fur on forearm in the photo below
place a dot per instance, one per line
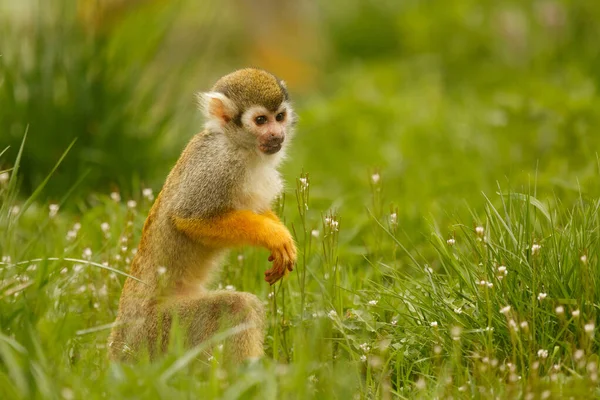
(235, 228)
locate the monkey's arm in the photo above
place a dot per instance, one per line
(244, 227)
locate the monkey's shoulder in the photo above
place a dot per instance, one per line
(202, 182)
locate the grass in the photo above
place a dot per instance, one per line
(502, 304)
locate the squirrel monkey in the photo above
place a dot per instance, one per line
(217, 196)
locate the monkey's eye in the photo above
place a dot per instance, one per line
(280, 117)
(260, 120)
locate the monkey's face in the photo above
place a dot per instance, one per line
(251, 107)
(268, 127)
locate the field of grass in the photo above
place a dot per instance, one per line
(445, 203)
(394, 294)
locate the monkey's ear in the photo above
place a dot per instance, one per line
(217, 106)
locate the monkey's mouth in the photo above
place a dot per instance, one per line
(270, 148)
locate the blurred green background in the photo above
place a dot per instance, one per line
(409, 111)
(444, 98)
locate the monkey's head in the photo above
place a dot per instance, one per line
(251, 107)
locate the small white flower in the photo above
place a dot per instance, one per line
(479, 230)
(71, 235)
(560, 310)
(334, 225)
(482, 283)
(455, 332)
(589, 328)
(513, 324)
(115, 196)
(271, 295)
(77, 267)
(502, 269)
(4, 177)
(314, 233)
(451, 242)
(375, 178)
(303, 183)
(53, 210)
(332, 314)
(546, 394)
(578, 355)
(87, 253)
(363, 358)
(490, 285)
(132, 204)
(504, 310)
(393, 219)
(542, 353)
(147, 193)
(105, 227)
(394, 322)
(67, 393)
(434, 324)
(161, 270)
(541, 296)
(373, 302)
(15, 210)
(556, 367)
(240, 257)
(583, 259)
(458, 310)
(535, 249)
(230, 287)
(575, 313)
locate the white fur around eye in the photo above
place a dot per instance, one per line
(251, 113)
(289, 112)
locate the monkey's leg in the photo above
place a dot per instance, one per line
(219, 311)
(245, 227)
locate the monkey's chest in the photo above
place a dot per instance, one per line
(259, 189)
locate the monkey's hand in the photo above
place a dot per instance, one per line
(283, 254)
(242, 227)
(283, 257)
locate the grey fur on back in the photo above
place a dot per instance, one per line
(206, 187)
